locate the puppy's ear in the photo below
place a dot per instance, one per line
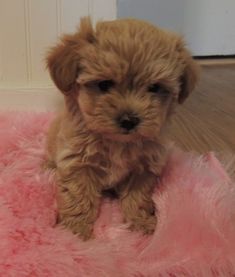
(63, 64)
(63, 59)
(190, 75)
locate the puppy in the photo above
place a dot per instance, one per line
(121, 82)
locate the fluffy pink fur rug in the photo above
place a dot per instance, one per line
(195, 235)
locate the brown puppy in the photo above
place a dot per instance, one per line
(120, 82)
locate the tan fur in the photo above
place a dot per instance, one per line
(90, 150)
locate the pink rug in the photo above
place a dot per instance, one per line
(195, 235)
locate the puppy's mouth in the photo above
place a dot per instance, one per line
(123, 129)
(122, 135)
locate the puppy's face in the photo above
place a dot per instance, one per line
(127, 75)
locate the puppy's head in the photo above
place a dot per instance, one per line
(126, 75)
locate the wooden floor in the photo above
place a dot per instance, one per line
(206, 121)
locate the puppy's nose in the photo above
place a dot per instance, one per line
(128, 121)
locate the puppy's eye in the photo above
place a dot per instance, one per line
(158, 89)
(155, 88)
(105, 85)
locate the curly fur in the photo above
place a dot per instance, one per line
(90, 150)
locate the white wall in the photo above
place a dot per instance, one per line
(207, 25)
(166, 13)
(29, 27)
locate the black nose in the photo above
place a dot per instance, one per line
(128, 121)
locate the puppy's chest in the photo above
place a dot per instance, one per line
(117, 164)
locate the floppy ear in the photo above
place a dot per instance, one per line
(63, 59)
(63, 63)
(189, 77)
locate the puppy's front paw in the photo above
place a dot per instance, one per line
(78, 226)
(146, 225)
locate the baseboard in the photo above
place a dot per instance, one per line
(214, 60)
(32, 99)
